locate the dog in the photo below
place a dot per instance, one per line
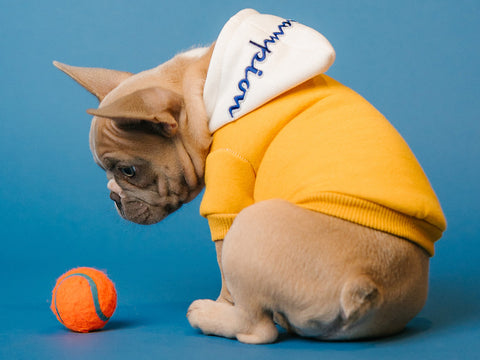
(323, 220)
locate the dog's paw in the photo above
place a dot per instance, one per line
(225, 319)
(201, 312)
(213, 318)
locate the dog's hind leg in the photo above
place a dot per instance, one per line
(227, 320)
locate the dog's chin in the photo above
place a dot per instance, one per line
(144, 214)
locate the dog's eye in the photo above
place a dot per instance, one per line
(128, 171)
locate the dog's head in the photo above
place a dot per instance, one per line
(150, 133)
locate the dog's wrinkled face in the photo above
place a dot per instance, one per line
(145, 171)
(150, 133)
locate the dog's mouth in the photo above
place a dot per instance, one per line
(118, 202)
(142, 213)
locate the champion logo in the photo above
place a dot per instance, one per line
(259, 57)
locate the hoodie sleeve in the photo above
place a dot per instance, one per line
(230, 181)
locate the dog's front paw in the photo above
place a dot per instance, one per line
(225, 319)
(214, 318)
(200, 313)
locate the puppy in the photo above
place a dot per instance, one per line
(323, 220)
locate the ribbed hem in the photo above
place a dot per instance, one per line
(375, 216)
(219, 225)
(358, 211)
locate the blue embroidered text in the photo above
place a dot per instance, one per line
(244, 84)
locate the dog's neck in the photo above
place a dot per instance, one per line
(194, 130)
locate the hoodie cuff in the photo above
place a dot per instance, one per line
(219, 225)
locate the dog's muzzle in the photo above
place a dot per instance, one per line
(118, 200)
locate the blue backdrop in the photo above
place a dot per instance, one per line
(416, 61)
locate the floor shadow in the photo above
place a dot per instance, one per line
(453, 301)
(122, 324)
(414, 328)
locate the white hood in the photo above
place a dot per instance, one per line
(256, 58)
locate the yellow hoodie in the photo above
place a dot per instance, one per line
(325, 148)
(281, 130)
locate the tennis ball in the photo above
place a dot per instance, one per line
(84, 299)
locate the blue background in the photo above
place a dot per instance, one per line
(416, 61)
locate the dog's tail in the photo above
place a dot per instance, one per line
(360, 297)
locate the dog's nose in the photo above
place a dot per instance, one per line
(113, 186)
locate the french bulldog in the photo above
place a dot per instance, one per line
(331, 263)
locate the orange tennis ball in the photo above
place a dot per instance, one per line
(84, 299)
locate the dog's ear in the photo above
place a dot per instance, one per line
(96, 80)
(157, 105)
